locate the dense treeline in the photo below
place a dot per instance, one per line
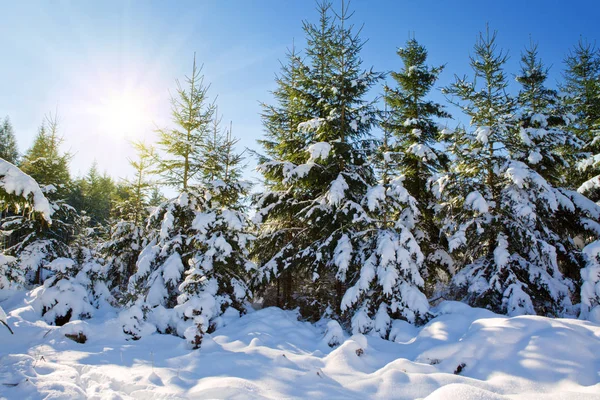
(370, 210)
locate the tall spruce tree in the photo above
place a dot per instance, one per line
(582, 97)
(328, 188)
(411, 118)
(545, 142)
(191, 270)
(33, 241)
(283, 143)
(8, 143)
(127, 231)
(500, 213)
(180, 160)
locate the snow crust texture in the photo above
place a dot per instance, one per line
(269, 354)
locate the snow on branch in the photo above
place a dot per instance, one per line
(14, 181)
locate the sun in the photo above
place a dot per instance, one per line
(123, 114)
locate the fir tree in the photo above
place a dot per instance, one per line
(501, 214)
(45, 162)
(545, 142)
(182, 147)
(97, 192)
(582, 90)
(331, 190)
(191, 270)
(127, 231)
(34, 242)
(410, 117)
(8, 143)
(283, 143)
(216, 279)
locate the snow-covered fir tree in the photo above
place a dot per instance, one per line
(411, 117)
(500, 213)
(545, 143)
(192, 269)
(126, 234)
(389, 284)
(357, 268)
(215, 283)
(283, 143)
(19, 194)
(8, 142)
(33, 241)
(581, 88)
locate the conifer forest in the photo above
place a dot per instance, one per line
(384, 237)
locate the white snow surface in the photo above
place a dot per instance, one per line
(14, 181)
(269, 354)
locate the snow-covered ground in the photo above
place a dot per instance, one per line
(269, 354)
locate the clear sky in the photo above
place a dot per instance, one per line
(108, 66)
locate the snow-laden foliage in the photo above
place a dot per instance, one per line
(313, 209)
(590, 289)
(15, 182)
(10, 274)
(513, 230)
(34, 243)
(194, 266)
(412, 149)
(582, 100)
(72, 292)
(121, 251)
(335, 239)
(389, 282)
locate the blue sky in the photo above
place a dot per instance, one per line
(78, 57)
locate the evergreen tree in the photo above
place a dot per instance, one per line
(582, 90)
(181, 160)
(156, 198)
(45, 162)
(410, 118)
(34, 242)
(545, 142)
(8, 143)
(329, 189)
(219, 269)
(500, 213)
(19, 195)
(192, 268)
(283, 143)
(93, 194)
(126, 234)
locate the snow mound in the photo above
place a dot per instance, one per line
(463, 353)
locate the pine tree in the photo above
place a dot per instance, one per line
(284, 143)
(126, 234)
(410, 117)
(34, 242)
(582, 90)
(331, 190)
(182, 147)
(191, 270)
(500, 213)
(8, 143)
(545, 142)
(215, 283)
